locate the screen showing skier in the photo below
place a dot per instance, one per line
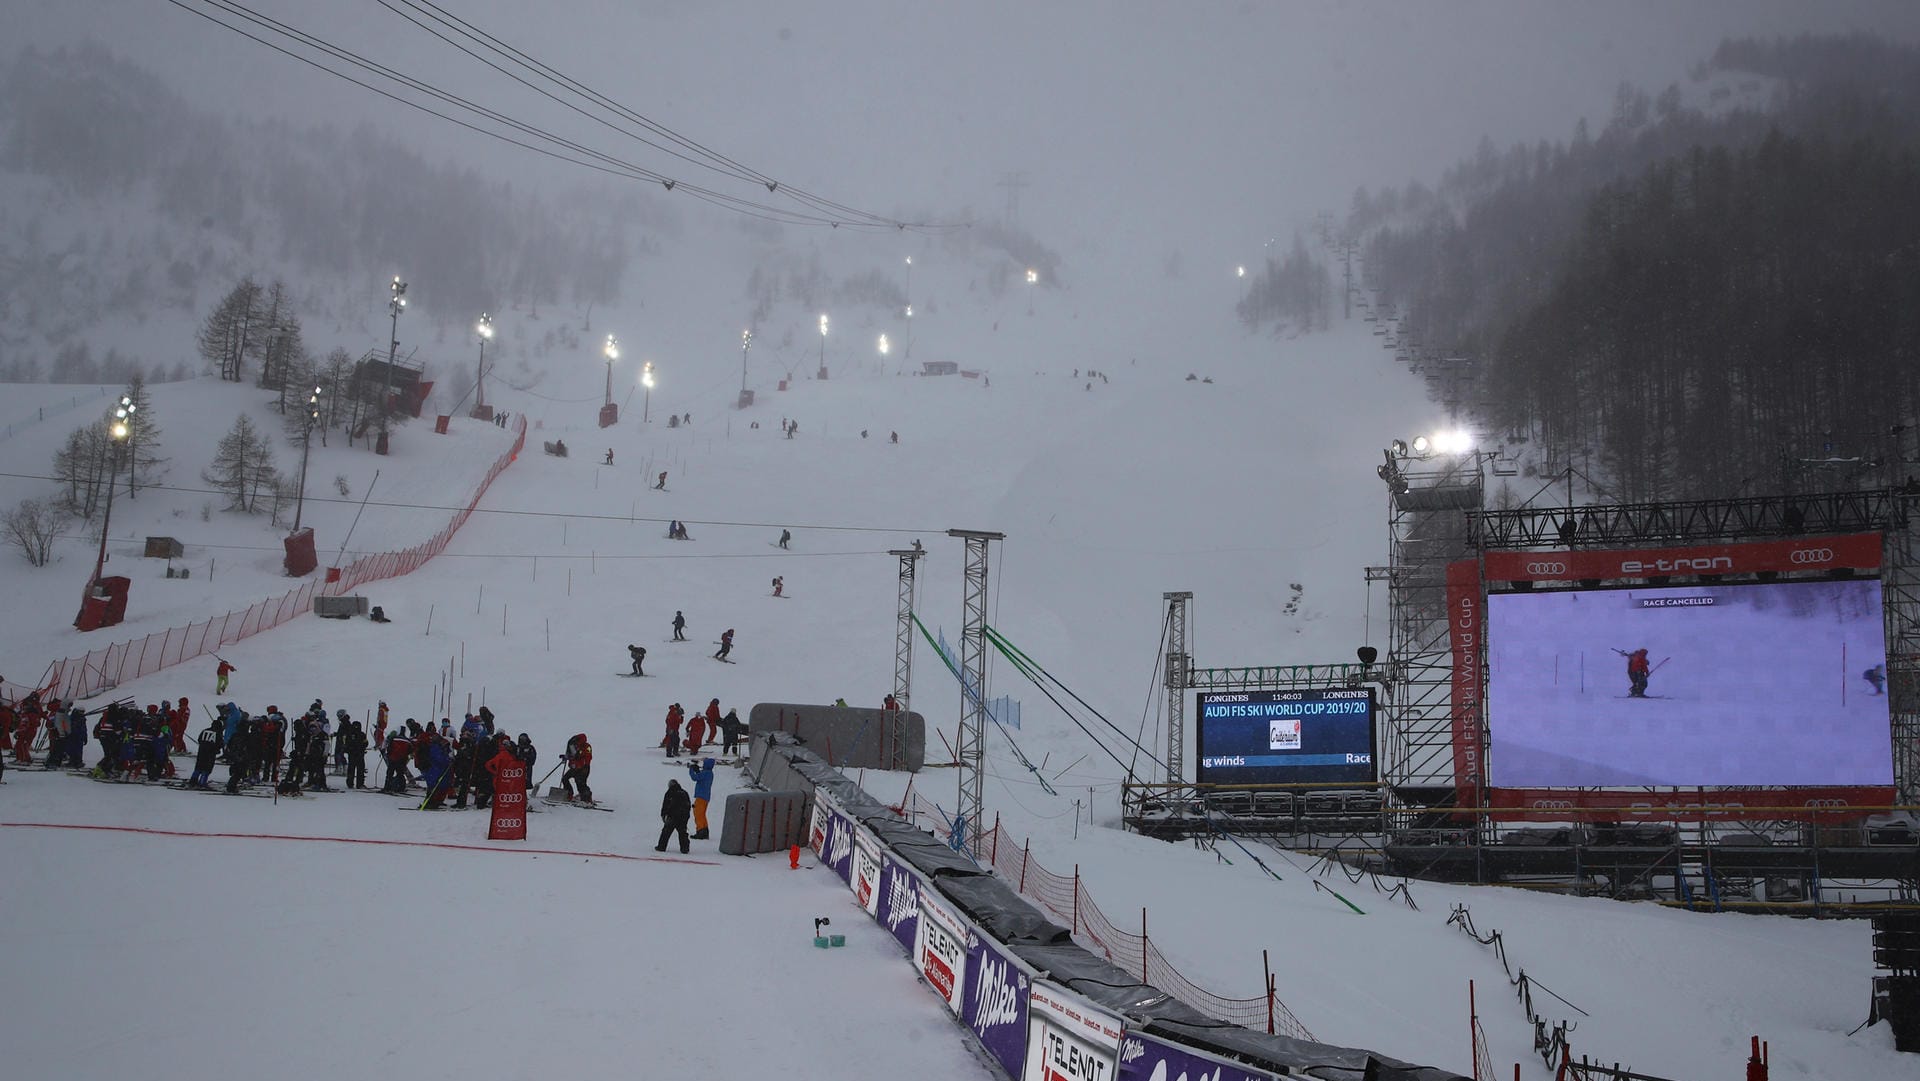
(1773, 683)
(1285, 737)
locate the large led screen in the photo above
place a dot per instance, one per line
(1780, 683)
(1285, 737)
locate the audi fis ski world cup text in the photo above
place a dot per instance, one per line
(1286, 737)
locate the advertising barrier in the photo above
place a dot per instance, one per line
(1145, 1058)
(900, 902)
(997, 1003)
(509, 821)
(866, 872)
(1069, 1039)
(940, 951)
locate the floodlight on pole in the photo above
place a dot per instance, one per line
(612, 350)
(306, 446)
(118, 429)
(485, 329)
(1033, 278)
(396, 304)
(746, 343)
(646, 402)
(823, 341)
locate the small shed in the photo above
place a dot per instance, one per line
(939, 367)
(164, 548)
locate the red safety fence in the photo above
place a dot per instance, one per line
(1066, 897)
(103, 669)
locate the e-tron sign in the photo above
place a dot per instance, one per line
(1853, 551)
(1285, 737)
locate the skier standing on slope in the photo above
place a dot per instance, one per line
(672, 739)
(679, 626)
(696, 731)
(1877, 676)
(579, 759)
(702, 774)
(730, 727)
(209, 749)
(528, 754)
(674, 809)
(1638, 671)
(638, 655)
(356, 744)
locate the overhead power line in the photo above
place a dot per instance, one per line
(301, 45)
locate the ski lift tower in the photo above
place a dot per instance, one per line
(903, 633)
(973, 676)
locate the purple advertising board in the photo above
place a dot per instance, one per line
(838, 852)
(996, 1006)
(900, 901)
(1144, 1058)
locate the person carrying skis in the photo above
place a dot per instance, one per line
(674, 810)
(672, 739)
(726, 645)
(1638, 671)
(220, 675)
(1877, 676)
(679, 626)
(702, 775)
(579, 760)
(638, 656)
(209, 749)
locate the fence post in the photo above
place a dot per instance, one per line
(1076, 898)
(1473, 1040)
(1266, 973)
(993, 856)
(1143, 944)
(1025, 851)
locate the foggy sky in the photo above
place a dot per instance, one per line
(1207, 125)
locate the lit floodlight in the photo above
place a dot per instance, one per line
(823, 324)
(884, 345)
(909, 311)
(119, 429)
(1032, 275)
(485, 327)
(1421, 444)
(1453, 441)
(909, 260)
(1240, 271)
(646, 375)
(612, 348)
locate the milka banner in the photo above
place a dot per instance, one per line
(839, 851)
(1068, 1038)
(997, 1002)
(940, 951)
(900, 903)
(1144, 1058)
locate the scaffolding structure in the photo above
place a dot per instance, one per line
(1428, 508)
(1179, 663)
(971, 745)
(903, 627)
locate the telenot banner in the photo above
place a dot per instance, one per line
(1068, 1038)
(940, 951)
(866, 872)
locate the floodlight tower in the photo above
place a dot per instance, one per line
(646, 400)
(823, 345)
(306, 446)
(485, 329)
(396, 304)
(903, 631)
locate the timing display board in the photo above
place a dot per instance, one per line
(1285, 737)
(1778, 683)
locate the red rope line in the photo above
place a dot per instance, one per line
(353, 841)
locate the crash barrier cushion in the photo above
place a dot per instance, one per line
(753, 822)
(969, 933)
(339, 607)
(848, 736)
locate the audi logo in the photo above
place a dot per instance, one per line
(510, 823)
(1552, 805)
(1810, 555)
(1546, 568)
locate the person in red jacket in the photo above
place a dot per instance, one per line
(579, 759)
(696, 731)
(672, 740)
(177, 719)
(220, 676)
(24, 729)
(1638, 672)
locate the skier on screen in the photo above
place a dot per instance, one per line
(1637, 671)
(1877, 676)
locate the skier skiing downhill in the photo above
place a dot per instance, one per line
(726, 645)
(1638, 671)
(1877, 677)
(220, 676)
(639, 656)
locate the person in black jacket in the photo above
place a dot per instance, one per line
(639, 656)
(208, 744)
(107, 732)
(317, 755)
(465, 758)
(528, 754)
(356, 744)
(674, 811)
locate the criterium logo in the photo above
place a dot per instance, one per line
(1810, 555)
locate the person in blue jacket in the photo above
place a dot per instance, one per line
(702, 775)
(439, 772)
(230, 717)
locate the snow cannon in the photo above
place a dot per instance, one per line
(820, 941)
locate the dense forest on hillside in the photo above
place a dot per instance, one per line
(1707, 298)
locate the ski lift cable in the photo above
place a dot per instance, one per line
(974, 695)
(1001, 641)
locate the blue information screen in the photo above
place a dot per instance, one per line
(1286, 737)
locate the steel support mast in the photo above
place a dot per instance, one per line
(973, 673)
(1179, 664)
